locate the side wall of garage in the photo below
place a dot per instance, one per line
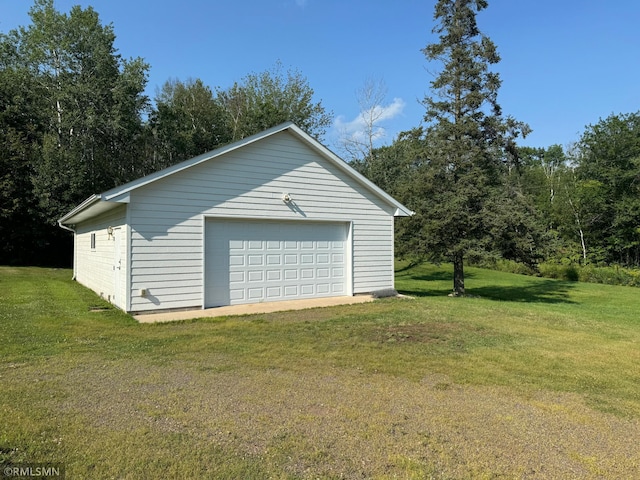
(168, 224)
(101, 247)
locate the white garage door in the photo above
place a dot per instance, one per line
(262, 261)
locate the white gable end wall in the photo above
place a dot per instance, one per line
(167, 217)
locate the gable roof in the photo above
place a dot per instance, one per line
(105, 201)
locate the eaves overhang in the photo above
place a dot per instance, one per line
(92, 206)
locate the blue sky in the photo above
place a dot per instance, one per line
(565, 63)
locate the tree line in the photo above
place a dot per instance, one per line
(578, 204)
(75, 120)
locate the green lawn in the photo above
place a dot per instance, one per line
(527, 378)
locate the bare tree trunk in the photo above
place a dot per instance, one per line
(580, 231)
(582, 242)
(458, 275)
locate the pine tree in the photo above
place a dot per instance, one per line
(470, 144)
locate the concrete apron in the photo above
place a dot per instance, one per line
(253, 308)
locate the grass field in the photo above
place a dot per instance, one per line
(528, 378)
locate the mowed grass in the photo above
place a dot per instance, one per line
(527, 378)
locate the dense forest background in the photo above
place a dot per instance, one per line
(75, 120)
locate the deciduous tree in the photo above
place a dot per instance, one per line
(187, 121)
(609, 157)
(79, 113)
(93, 102)
(264, 100)
(358, 138)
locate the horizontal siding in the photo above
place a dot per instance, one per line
(163, 273)
(95, 267)
(167, 216)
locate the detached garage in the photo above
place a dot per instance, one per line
(276, 216)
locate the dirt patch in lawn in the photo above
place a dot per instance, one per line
(343, 423)
(422, 332)
(452, 336)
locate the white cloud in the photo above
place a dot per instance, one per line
(356, 129)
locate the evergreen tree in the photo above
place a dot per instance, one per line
(393, 167)
(459, 191)
(22, 228)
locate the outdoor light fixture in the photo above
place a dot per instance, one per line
(286, 198)
(109, 231)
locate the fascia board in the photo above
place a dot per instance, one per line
(84, 205)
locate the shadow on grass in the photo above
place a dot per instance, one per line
(544, 291)
(437, 276)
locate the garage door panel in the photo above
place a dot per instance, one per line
(290, 274)
(253, 261)
(274, 292)
(236, 260)
(274, 275)
(291, 291)
(256, 276)
(274, 259)
(291, 259)
(236, 277)
(237, 294)
(255, 293)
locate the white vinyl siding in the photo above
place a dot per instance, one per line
(95, 266)
(167, 216)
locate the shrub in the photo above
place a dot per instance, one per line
(591, 274)
(610, 275)
(507, 266)
(561, 272)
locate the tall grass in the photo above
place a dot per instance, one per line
(607, 275)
